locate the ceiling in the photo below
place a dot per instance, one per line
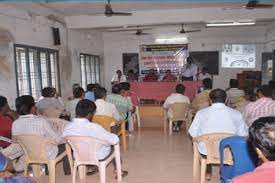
(77, 13)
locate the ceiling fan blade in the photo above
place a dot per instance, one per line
(145, 33)
(121, 14)
(189, 31)
(127, 29)
(260, 6)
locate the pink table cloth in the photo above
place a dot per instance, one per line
(161, 90)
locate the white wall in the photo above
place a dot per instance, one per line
(208, 40)
(37, 32)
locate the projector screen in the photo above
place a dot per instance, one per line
(238, 56)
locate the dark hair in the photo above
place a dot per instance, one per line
(131, 71)
(265, 90)
(47, 92)
(207, 83)
(3, 102)
(189, 59)
(233, 83)
(78, 92)
(84, 108)
(205, 69)
(217, 96)
(180, 88)
(262, 136)
(125, 86)
(24, 104)
(118, 71)
(90, 87)
(271, 84)
(100, 93)
(75, 85)
(116, 89)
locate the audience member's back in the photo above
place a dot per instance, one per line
(78, 95)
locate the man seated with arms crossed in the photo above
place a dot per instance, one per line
(218, 118)
(233, 93)
(29, 123)
(82, 125)
(177, 97)
(262, 138)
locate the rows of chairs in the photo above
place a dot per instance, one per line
(34, 149)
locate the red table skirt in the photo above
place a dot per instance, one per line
(161, 90)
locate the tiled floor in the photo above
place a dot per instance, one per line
(153, 157)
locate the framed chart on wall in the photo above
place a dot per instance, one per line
(130, 61)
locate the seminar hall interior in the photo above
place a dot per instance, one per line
(137, 91)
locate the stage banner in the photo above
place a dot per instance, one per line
(162, 57)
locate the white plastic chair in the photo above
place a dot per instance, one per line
(34, 148)
(180, 112)
(85, 149)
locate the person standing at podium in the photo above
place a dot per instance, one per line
(189, 70)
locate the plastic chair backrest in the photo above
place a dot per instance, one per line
(34, 146)
(212, 142)
(180, 111)
(105, 121)
(58, 124)
(243, 158)
(85, 148)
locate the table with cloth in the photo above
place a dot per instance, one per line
(161, 90)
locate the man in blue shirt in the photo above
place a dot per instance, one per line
(90, 95)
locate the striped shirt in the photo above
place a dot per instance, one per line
(122, 104)
(34, 125)
(261, 108)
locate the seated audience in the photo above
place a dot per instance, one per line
(122, 103)
(6, 169)
(82, 125)
(29, 123)
(233, 93)
(202, 99)
(272, 86)
(78, 95)
(151, 76)
(204, 74)
(177, 97)
(262, 138)
(75, 85)
(102, 106)
(5, 121)
(90, 93)
(263, 106)
(169, 76)
(118, 78)
(131, 76)
(49, 102)
(218, 118)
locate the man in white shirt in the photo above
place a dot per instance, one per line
(118, 78)
(189, 71)
(82, 126)
(218, 118)
(102, 106)
(29, 123)
(204, 74)
(177, 97)
(79, 94)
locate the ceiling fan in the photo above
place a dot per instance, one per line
(251, 5)
(255, 4)
(108, 12)
(183, 31)
(137, 30)
(140, 32)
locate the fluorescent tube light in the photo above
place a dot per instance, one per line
(224, 24)
(171, 40)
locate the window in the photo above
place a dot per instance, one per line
(90, 69)
(36, 68)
